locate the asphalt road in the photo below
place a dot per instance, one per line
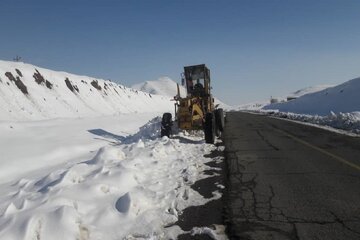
(290, 181)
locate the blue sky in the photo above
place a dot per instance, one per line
(254, 48)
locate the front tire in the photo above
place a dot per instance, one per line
(220, 121)
(210, 128)
(166, 124)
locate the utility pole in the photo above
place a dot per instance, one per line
(17, 58)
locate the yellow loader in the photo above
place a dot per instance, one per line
(196, 111)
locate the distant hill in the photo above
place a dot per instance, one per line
(28, 92)
(308, 90)
(341, 98)
(257, 105)
(163, 86)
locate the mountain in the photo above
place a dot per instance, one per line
(167, 87)
(28, 92)
(343, 98)
(163, 86)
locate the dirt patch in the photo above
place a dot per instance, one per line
(96, 85)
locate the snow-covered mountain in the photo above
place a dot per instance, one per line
(29, 92)
(167, 87)
(163, 86)
(341, 98)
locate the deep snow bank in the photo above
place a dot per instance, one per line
(36, 145)
(28, 92)
(134, 188)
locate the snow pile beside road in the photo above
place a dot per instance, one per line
(345, 121)
(134, 188)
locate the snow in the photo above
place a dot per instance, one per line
(163, 86)
(133, 186)
(342, 98)
(251, 106)
(52, 98)
(337, 107)
(348, 123)
(36, 144)
(84, 162)
(258, 105)
(311, 89)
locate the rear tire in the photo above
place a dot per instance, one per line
(210, 128)
(166, 124)
(220, 121)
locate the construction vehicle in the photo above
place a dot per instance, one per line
(196, 111)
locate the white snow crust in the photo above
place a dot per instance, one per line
(133, 187)
(81, 160)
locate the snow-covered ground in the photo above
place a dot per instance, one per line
(81, 158)
(336, 106)
(98, 178)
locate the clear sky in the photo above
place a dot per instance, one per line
(254, 48)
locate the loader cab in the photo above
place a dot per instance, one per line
(197, 80)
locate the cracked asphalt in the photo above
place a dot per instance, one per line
(290, 181)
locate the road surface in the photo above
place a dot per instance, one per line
(287, 180)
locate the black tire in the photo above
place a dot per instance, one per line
(210, 128)
(166, 124)
(220, 121)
